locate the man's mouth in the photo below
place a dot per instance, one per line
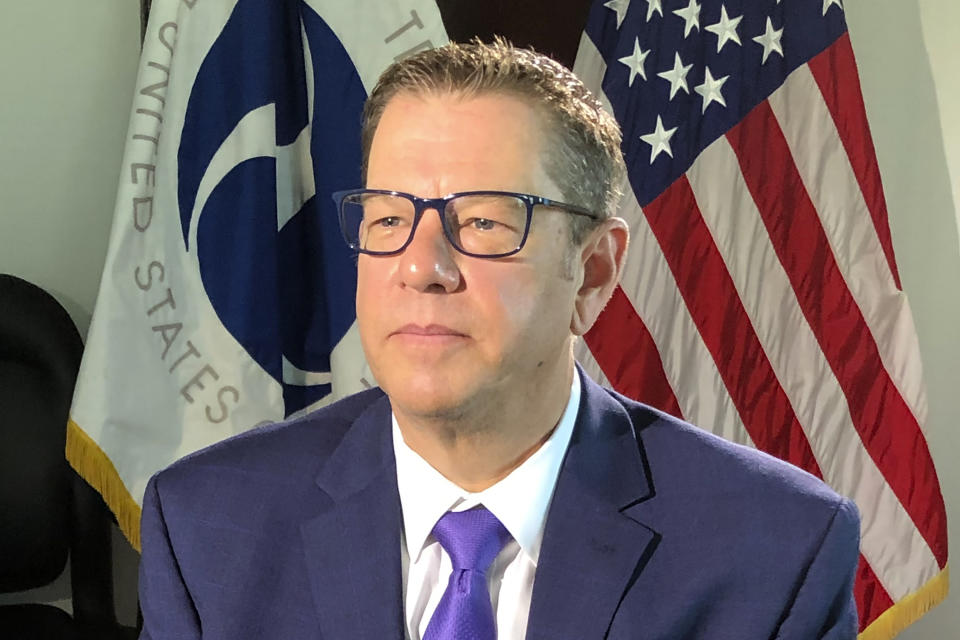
(430, 330)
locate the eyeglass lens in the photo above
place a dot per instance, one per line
(480, 224)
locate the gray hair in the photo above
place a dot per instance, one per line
(582, 154)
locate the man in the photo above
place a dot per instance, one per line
(489, 488)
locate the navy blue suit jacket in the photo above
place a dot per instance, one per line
(657, 530)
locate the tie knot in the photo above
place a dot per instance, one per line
(472, 538)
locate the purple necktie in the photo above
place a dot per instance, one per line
(472, 539)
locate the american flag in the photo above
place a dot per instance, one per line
(761, 297)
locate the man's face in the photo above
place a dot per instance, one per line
(445, 333)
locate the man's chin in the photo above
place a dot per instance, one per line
(431, 397)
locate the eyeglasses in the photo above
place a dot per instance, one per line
(482, 224)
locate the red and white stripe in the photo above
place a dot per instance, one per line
(761, 300)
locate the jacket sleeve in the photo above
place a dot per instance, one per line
(168, 609)
(824, 606)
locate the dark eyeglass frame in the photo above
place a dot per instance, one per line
(439, 205)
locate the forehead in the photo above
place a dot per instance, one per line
(436, 143)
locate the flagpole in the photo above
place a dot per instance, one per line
(144, 16)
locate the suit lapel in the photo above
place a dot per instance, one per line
(353, 547)
(592, 548)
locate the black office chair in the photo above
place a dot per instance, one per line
(47, 512)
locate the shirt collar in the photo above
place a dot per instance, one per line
(520, 500)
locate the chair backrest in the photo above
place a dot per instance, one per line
(46, 509)
(40, 351)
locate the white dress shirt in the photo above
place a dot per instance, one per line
(520, 501)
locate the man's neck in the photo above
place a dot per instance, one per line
(479, 448)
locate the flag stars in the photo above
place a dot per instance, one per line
(654, 6)
(635, 62)
(829, 3)
(770, 40)
(619, 7)
(677, 77)
(710, 90)
(659, 140)
(725, 29)
(691, 17)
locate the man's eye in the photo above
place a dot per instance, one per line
(387, 221)
(481, 224)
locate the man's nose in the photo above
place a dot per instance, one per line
(428, 263)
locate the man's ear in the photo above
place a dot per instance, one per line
(601, 259)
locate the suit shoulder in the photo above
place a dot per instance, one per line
(702, 462)
(298, 444)
(745, 541)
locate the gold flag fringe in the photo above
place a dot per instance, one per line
(909, 609)
(89, 460)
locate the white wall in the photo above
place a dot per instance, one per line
(940, 21)
(67, 69)
(901, 93)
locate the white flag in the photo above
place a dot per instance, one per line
(227, 299)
